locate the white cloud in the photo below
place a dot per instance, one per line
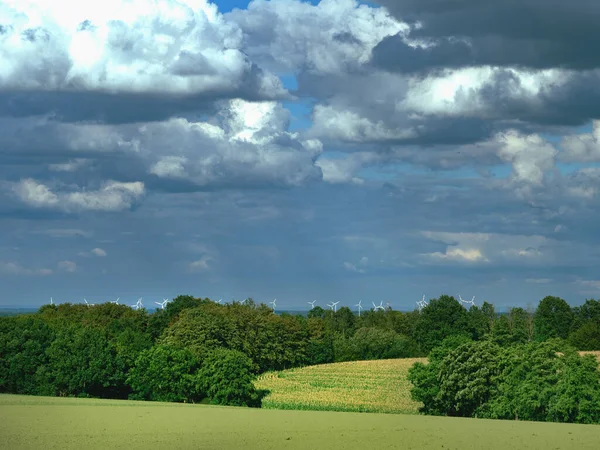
(530, 155)
(248, 145)
(112, 196)
(343, 170)
(94, 252)
(67, 266)
(359, 267)
(98, 252)
(333, 123)
(13, 268)
(170, 167)
(460, 255)
(538, 280)
(243, 143)
(35, 194)
(490, 248)
(588, 287)
(584, 183)
(70, 166)
(461, 92)
(584, 147)
(64, 232)
(200, 265)
(141, 46)
(332, 37)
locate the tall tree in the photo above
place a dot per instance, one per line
(553, 318)
(166, 374)
(440, 319)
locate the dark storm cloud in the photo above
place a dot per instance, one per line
(524, 33)
(573, 103)
(125, 107)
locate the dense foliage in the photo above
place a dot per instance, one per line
(541, 381)
(196, 350)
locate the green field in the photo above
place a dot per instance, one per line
(361, 386)
(68, 423)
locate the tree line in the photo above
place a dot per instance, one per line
(196, 350)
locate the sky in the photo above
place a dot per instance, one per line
(330, 151)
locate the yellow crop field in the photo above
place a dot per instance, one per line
(361, 386)
(595, 353)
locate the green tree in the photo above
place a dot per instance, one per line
(525, 387)
(83, 362)
(586, 337)
(547, 381)
(576, 396)
(320, 347)
(478, 323)
(316, 312)
(425, 377)
(376, 343)
(24, 341)
(440, 319)
(553, 319)
(585, 334)
(466, 378)
(227, 378)
(166, 374)
(589, 311)
(343, 321)
(519, 325)
(501, 333)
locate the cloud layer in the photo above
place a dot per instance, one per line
(296, 150)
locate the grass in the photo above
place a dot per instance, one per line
(362, 386)
(69, 423)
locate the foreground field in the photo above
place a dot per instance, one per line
(361, 386)
(63, 423)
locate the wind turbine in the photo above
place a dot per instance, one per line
(334, 306)
(273, 303)
(138, 304)
(359, 304)
(219, 301)
(312, 304)
(163, 304)
(422, 303)
(243, 302)
(467, 302)
(380, 306)
(116, 302)
(86, 302)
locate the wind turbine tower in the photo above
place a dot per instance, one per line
(359, 304)
(274, 304)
